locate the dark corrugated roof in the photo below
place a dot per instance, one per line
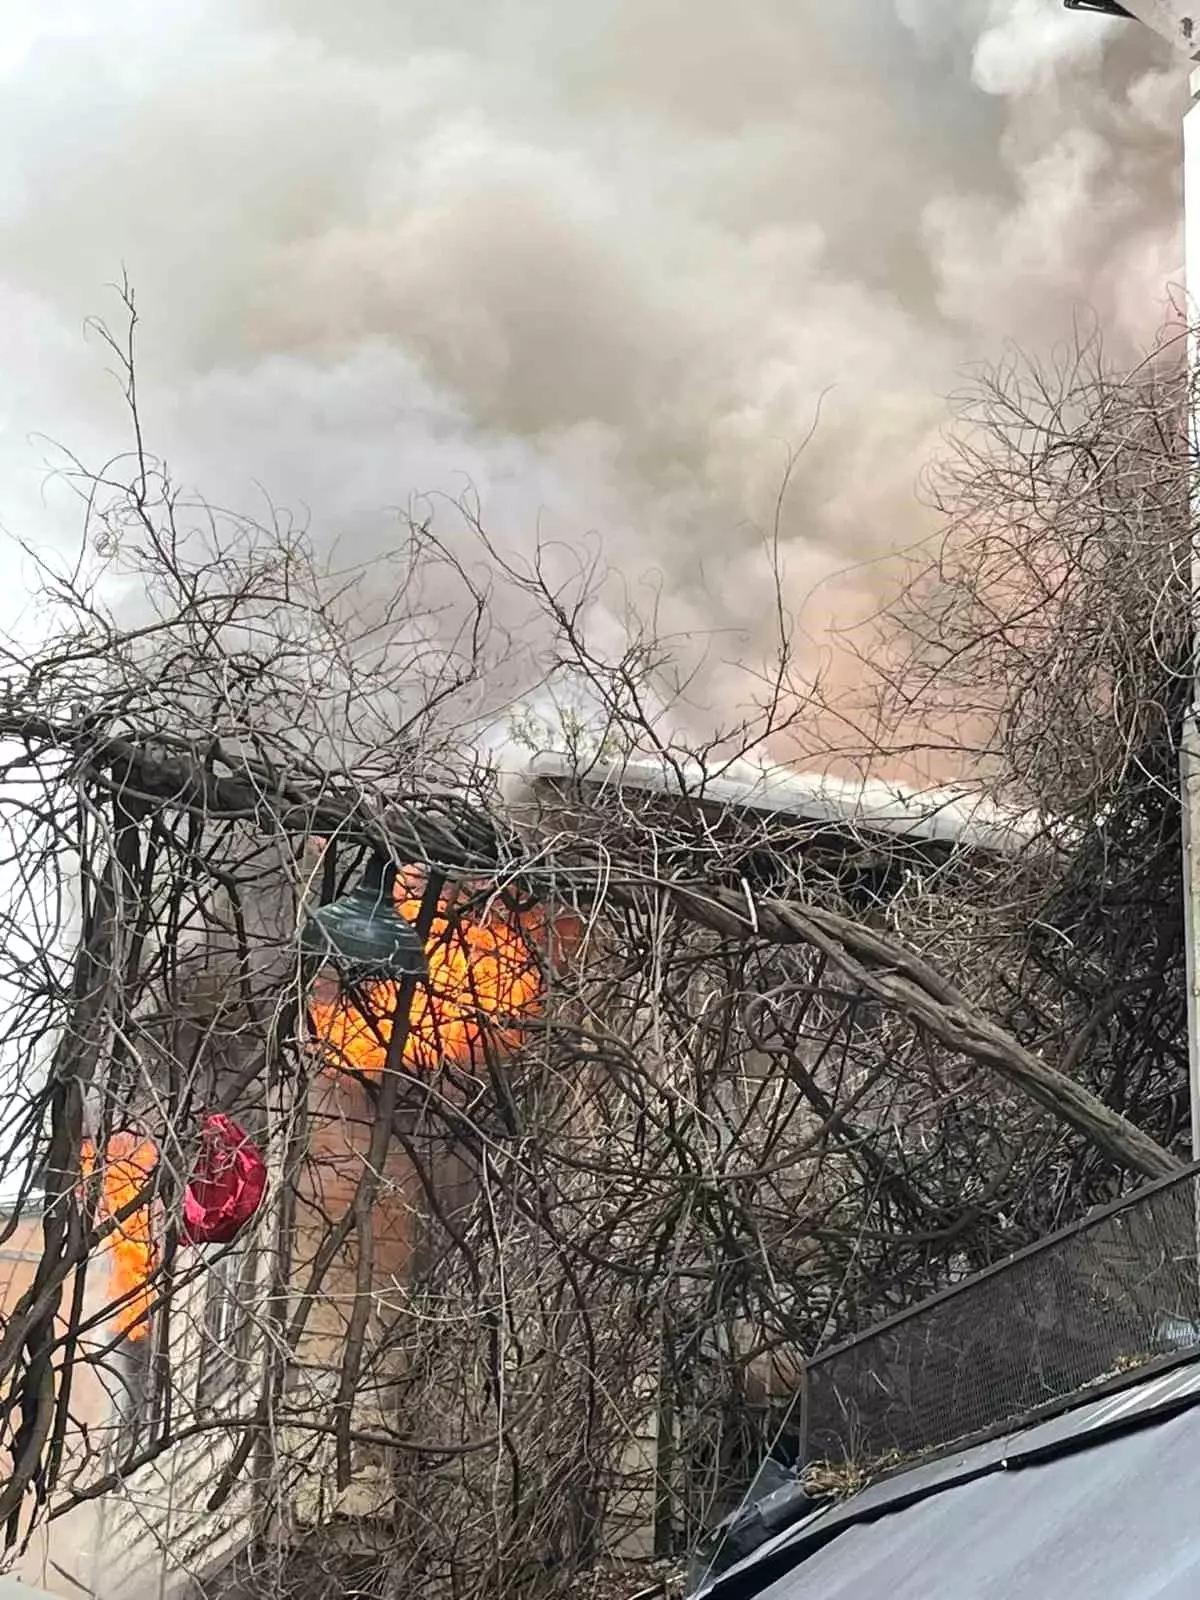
(1099, 1504)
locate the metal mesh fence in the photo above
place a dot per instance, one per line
(1120, 1289)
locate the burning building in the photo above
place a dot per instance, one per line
(304, 1299)
(290, 1356)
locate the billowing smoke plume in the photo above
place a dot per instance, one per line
(604, 261)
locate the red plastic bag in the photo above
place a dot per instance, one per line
(226, 1186)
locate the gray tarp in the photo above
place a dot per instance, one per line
(1114, 1517)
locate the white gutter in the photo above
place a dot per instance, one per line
(951, 816)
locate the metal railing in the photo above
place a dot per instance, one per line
(1114, 1292)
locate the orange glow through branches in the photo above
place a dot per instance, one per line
(132, 1252)
(485, 975)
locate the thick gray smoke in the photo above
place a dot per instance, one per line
(604, 261)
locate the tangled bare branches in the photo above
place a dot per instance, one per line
(1052, 633)
(689, 1089)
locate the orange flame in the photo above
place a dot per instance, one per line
(132, 1252)
(484, 977)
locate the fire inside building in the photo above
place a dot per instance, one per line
(268, 1268)
(240, 1298)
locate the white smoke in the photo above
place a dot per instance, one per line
(605, 262)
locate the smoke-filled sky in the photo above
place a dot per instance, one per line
(601, 259)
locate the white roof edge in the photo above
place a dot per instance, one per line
(950, 815)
